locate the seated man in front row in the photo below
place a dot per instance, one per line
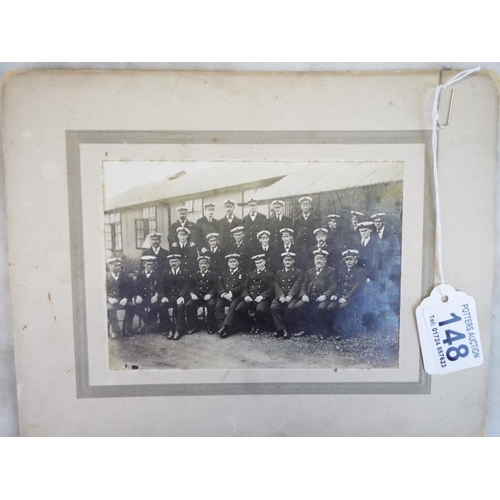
(146, 288)
(171, 295)
(318, 287)
(201, 289)
(257, 294)
(287, 285)
(229, 289)
(343, 306)
(119, 291)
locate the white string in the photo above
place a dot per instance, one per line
(435, 118)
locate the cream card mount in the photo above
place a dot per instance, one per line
(347, 124)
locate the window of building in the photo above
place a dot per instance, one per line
(194, 206)
(145, 225)
(113, 231)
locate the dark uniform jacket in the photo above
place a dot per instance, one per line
(274, 225)
(288, 282)
(304, 235)
(173, 286)
(271, 256)
(390, 241)
(121, 288)
(390, 249)
(351, 237)
(325, 283)
(201, 285)
(370, 256)
(172, 234)
(252, 227)
(188, 255)
(147, 287)
(350, 281)
(298, 259)
(204, 227)
(217, 259)
(245, 249)
(231, 283)
(332, 259)
(259, 284)
(335, 239)
(161, 262)
(225, 229)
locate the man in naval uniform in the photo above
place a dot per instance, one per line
(352, 235)
(390, 265)
(369, 248)
(321, 235)
(146, 287)
(345, 305)
(390, 245)
(172, 296)
(152, 243)
(258, 292)
(304, 225)
(187, 250)
(335, 236)
(287, 284)
(241, 246)
(184, 222)
(278, 222)
(254, 221)
(319, 285)
(214, 250)
(205, 225)
(119, 292)
(201, 292)
(264, 247)
(286, 245)
(228, 222)
(229, 289)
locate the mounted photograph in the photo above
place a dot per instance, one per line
(253, 264)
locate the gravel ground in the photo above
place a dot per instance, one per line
(378, 349)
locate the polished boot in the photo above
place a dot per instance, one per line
(223, 331)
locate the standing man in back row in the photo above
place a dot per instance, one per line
(228, 222)
(254, 221)
(206, 225)
(278, 222)
(183, 222)
(305, 224)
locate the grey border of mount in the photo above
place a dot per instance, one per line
(74, 138)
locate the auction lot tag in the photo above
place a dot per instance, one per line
(448, 331)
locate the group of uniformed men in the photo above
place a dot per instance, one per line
(298, 274)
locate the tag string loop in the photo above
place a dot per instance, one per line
(435, 126)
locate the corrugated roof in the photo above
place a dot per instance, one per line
(322, 177)
(217, 178)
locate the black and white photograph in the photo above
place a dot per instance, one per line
(243, 254)
(253, 264)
